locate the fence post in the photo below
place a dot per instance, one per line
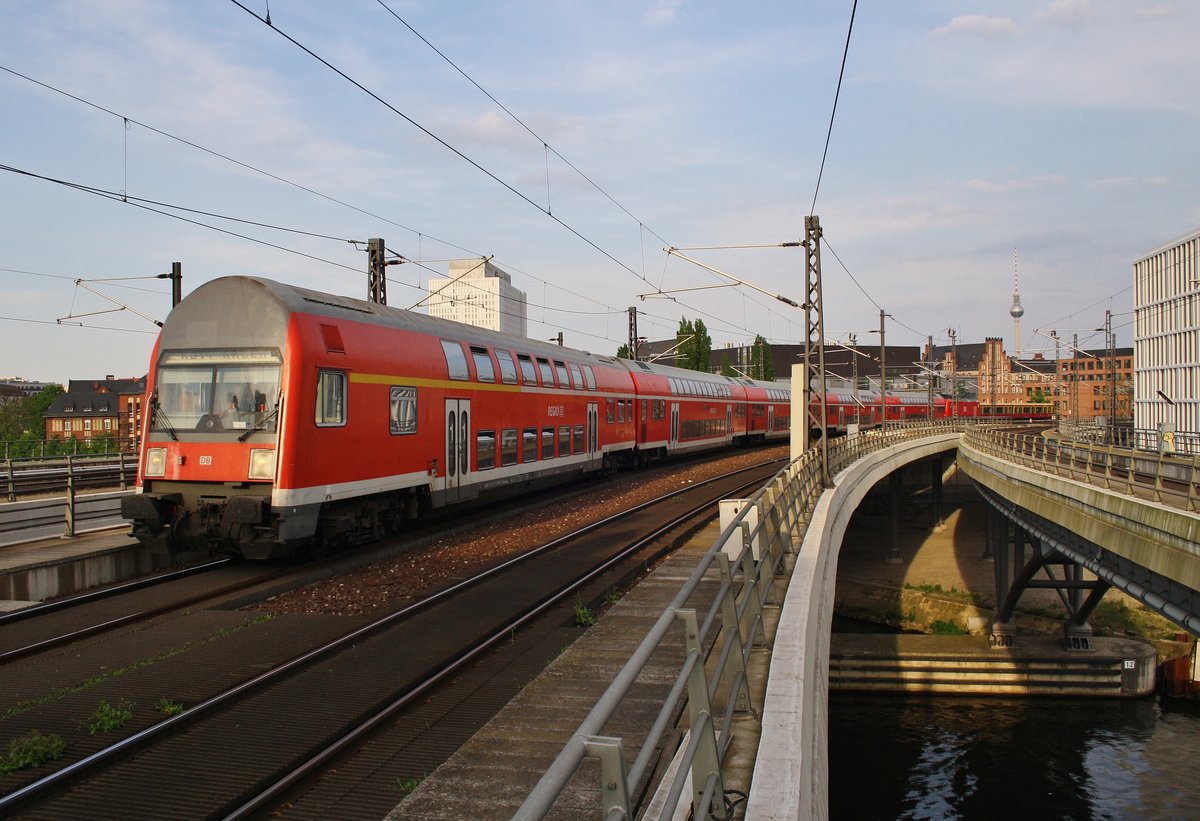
(12, 487)
(614, 785)
(69, 525)
(706, 764)
(121, 457)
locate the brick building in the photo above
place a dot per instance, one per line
(92, 408)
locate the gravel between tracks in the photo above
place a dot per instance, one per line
(393, 581)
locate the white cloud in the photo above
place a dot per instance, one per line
(663, 13)
(1066, 12)
(1158, 11)
(1005, 186)
(980, 25)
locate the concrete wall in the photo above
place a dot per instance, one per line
(791, 774)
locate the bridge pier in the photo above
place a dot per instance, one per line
(895, 490)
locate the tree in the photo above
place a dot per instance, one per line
(761, 366)
(694, 345)
(623, 352)
(1038, 396)
(24, 417)
(726, 368)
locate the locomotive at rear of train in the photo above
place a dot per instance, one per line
(283, 418)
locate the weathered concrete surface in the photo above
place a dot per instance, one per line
(492, 774)
(1164, 539)
(791, 773)
(1035, 665)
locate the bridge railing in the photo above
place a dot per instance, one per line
(1164, 478)
(711, 684)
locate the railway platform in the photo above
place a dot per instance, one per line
(491, 775)
(35, 571)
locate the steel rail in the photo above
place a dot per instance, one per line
(270, 794)
(79, 769)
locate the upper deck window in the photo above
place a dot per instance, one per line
(456, 361)
(528, 374)
(547, 373)
(560, 368)
(484, 371)
(576, 376)
(508, 369)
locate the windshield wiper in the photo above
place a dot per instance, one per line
(260, 424)
(160, 416)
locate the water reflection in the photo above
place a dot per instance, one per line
(966, 758)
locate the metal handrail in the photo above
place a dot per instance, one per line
(1169, 479)
(785, 506)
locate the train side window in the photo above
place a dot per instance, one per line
(564, 381)
(589, 377)
(508, 368)
(578, 439)
(403, 413)
(620, 410)
(529, 445)
(331, 399)
(610, 414)
(528, 374)
(564, 440)
(456, 361)
(576, 376)
(547, 443)
(645, 403)
(546, 372)
(485, 449)
(508, 446)
(484, 370)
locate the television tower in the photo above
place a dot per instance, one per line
(1016, 311)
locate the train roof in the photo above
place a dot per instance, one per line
(254, 312)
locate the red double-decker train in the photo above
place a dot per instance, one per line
(283, 418)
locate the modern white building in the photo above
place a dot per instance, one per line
(1166, 309)
(476, 292)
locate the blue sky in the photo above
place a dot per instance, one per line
(1066, 130)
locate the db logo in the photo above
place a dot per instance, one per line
(206, 460)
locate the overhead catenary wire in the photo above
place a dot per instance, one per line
(126, 120)
(833, 113)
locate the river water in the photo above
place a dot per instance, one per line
(997, 758)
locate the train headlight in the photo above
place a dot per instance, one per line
(156, 462)
(262, 463)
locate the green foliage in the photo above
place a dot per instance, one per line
(1037, 396)
(623, 352)
(946, 628)
(168, 707)
(584, 617)
(32, 750)
(107, 717)
(761, 366)
(694, 345)
(407, 785)
(727, 369)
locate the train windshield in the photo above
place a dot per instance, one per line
(214, 391)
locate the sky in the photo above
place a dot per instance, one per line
(574, 141)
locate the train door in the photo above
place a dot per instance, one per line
(458, 454)
(593, 428)
(771, 419)
(729, 421)
(674, 423)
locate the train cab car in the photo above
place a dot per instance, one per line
(847, 407)
(282, 418)
(680, 411)
(906, 406)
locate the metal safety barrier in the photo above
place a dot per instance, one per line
(711, 687)
(1170, 479)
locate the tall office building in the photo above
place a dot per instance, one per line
(478, 293)
(1166, 310)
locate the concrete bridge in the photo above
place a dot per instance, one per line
(1128, 517)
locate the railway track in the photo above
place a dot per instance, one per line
(246, 748)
